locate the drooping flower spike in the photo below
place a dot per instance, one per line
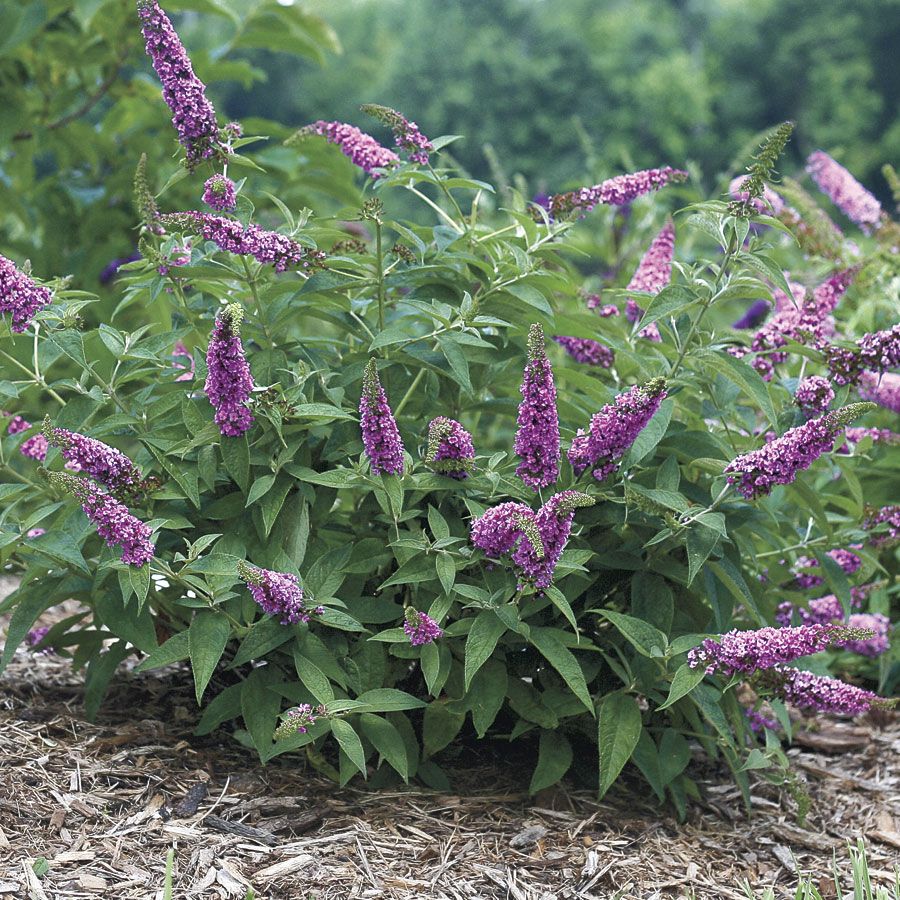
(277, 594)
(818, 693)
(20, 296)
(380, 435)
(615, 428)
(103, 463)
(888, 516)
(754, 315)
(554, 524)
(537, 435)
(778, 462)
(499, 529)
(652, 274)
(112, 519)
(228, 381)
(847, 194)
(614, 191)
(407, 135)
(587, 351)
(450, 449)
(360, 148)
(420, 628)
(192, 114)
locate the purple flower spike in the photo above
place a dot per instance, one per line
(753, 316)
(614, 191)
(35, 447)
(878, 643)
(228, 380)
(554, 523)
(360, 148)
(615, 428)
(17, 424)
(888, 516)
(192, 114)
(112, 519)
(746, 652)
(219, 193)
(450, 448)
(883, 390)
(107, 465)
(814, 395)
(381, 437)
(20, 295)
(587, 351)
(847, 194)
(277, 593)
(779, 461)
(819, 693)
(420, 628)
(652, 275)
(407, 135)
(537, 436)
(499, 529)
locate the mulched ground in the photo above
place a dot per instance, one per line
(103, 802)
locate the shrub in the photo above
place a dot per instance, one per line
(336, 462)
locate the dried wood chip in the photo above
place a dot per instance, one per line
(241, 830)
(286, 866)
(785, 857)
(528, 837)
(891, 838)
(190, 802)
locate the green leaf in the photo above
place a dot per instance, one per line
(446, 571)
(350, 743)
(745, 377)
(486, 695)
(440, 725)
(387, 741)
(618, 731)
(208, 634)
(674, 755)
(554, 759)
(125, 622)
(419, 568)
(553, 650)
(667, 302)
(264, 636)
(322, 412)
(729, 574)
(259, 708)
(482, 639)
(313, 678)
(28, 607)
(646, 757)
(389, 700)
(644, 637)
(701, 540)
(651, 434)
(259, 488)
(175, 649)
(99, 674)
(769, 268)
(236, 457)
(685, 680)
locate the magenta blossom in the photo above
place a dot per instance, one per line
(420, 628)
(450, 448)
(614, 191)
(219, 193)
(587, 351)
(360, 148)
(228, 380)
(888, 516)
(653, 273)
(103, 463)
(818, 693)
(537, 436)
(277, 594)
(20, 296)
(881, 389)
(847, 194)
(878, 643)
(381, 437)
(814, 395)
(35, 447)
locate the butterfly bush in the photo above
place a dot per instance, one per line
(847, 194)
(252, 512)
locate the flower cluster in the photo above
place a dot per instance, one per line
(846, 559)
(381, 437)
(17, 425)
(880, 627)
(818, 693)
(266, 247)
(887, 515)
(652, 275)
(778, 461)
(192, 114)
(420, 628)
(228, 379)
(814, 395)
(615, 428)
(407, 135)
(277, 594)
(360, 148)
(537, 436)
(299, 720)
(450, 449)
(749, 651)
(20, 295)
(821, 610)
(103, 463)
(614, 191)
(586, 351)
(219, 193)
(499, 529)
(112, 519)
(35, 447)
(554, 524)
(881, 389)
(876, 435)
(847, 194)
(604, 310)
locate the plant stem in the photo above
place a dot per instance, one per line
(447, 193)
(379, 261)
(448, 219)
(36, 378)
(411, 390)
(251, 283)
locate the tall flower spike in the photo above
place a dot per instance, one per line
(819, 693)
(450, 448)
(105, 464)
(20, 295)
(779, 461)
(277, 594)
(112, 519)
(192, 114)
(614, 191)
(407, 135)
(360, 148)
(753, 187)
(381, 437)
(768, 203)
(537, 435)
(228, 380)
(554, 523)
(266, 247)
(652, 275)
(587, 351)
(144, 200)
(847, 194)
(615, 428)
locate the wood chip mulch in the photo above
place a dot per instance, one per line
(90, 810)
